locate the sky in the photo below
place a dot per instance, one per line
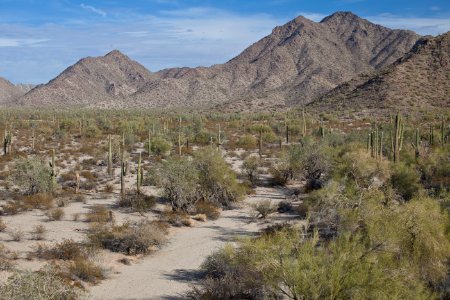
(39, 39)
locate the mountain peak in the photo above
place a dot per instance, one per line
(341, 16)
(116, 54)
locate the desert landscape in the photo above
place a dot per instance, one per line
(313, 165)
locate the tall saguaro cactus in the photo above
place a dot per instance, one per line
(110, 160)
(442, 131)
(260, 142)
(398, 137)
(139, 175)
(53, 167)
(123, 173)
(179, 136)
(303, 122)
(149, 146)
(33, 138)
(417, 143)
(7, 140)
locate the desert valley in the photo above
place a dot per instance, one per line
(313, 165)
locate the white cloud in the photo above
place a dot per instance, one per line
(189, 38)
(424, 26)
(93, 9)
(18, 42)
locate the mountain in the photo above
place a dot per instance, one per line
(419, 80)
(91, 81)
(293, 65)
(10, 92)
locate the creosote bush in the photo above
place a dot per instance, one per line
(130, 239)
(32, 176)
(43, 284)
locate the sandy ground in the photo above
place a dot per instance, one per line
(168, 273)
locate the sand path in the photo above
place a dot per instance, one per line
(167, 273)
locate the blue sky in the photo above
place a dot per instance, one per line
(39, 39)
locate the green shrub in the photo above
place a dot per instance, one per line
(159, 146)
(41, 285)
(247, 142)
(405, 180)
(250, 167)
(217, 181)
(32, 176)
(179, 180)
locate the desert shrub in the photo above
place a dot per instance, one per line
(176, 218)
(16, 234)
(211, 211)
(179, 180)
(362, 169)
(91, 131)
(5, 262)
(289, 165)
(264, 208)
(68, 249)
(55, 214)
(250, 168)
(2, 225)
(282, 263)
(41, 285)
(284, 207)
(217, 181)
(130, 239)
(316, 168)
(435, 169)
(160, 146)
(405, 180)
(247, 142)
(227, 278)
(32, 176)
(86, 270)
(39, 232)
(203, 137)
(39, 201)
(137, 202)
(98, 213)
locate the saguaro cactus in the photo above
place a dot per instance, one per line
(397, 137)
(417, 143)
(7, 140)
(149, 146)
(287, 133)
(139, 175)
(179, 136)
(53, 167)
(322, 129)
(431, 136)
(32, 139)
(110, 160)
(442, 132)
(219, 138)
(260, 142)
(123, 173)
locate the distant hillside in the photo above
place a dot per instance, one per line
(419, 80)
(296, 63)
(91, 81)
(9, 92)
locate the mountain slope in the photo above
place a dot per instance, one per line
(420, 79)
(91, 81)
(296, 63)
(9, 92)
